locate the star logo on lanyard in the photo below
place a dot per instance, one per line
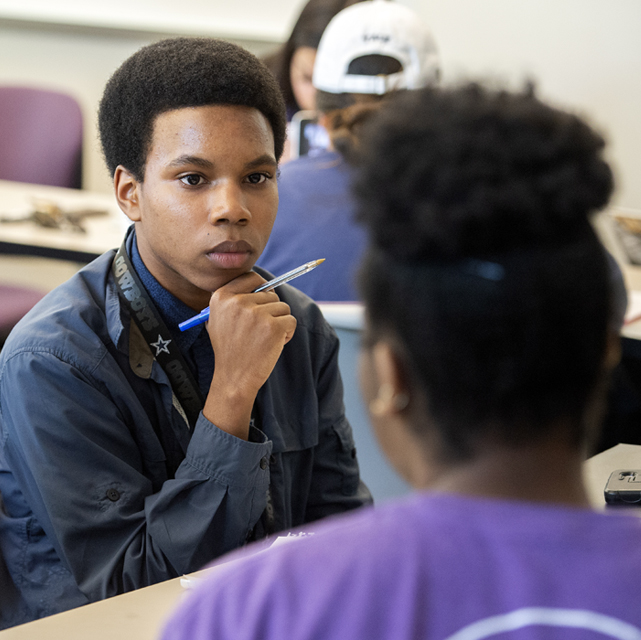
(160, 345)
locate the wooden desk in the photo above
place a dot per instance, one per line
(140, 615)
(27, 238)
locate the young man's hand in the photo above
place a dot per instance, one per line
(248, 332)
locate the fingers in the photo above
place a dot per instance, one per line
(248, 332)
(245, 283)
(275, 307)
(287, 324)
(244, 286)
(245, 319)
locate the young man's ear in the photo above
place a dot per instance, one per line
(127, 190)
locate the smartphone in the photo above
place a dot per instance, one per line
(306, 135)
(624, 487)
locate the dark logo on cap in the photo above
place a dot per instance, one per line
(369, 37)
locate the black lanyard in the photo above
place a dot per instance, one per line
(166, 351)
(167, 354)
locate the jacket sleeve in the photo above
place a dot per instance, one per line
(76, 459)
(335, 484)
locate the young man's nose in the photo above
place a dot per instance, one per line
(228, 205)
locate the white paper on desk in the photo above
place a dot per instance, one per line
(633, 312)
(191, 581)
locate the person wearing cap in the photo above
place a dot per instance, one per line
(293, 63)
(368, 51)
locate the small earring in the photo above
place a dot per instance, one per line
(387, 401)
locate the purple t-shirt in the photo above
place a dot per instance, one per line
(433, 567)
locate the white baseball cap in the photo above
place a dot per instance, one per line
(375, 27)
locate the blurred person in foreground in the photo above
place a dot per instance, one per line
(486, 355)
(368, 52)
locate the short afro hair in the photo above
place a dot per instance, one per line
(175, 74)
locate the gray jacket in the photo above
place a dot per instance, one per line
(105, 487)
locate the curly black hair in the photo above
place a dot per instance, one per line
(177, 73)
(482, 261)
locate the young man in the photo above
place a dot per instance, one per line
(486, 355)
(132, 452)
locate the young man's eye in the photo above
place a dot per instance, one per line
(192, 180)
(257, 178)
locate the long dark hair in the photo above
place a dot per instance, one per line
(307, 32)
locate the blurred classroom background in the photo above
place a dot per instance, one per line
(584, 55)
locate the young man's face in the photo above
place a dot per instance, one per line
(209, 198)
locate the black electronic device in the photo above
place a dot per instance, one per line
(306, 134)
(624, 487)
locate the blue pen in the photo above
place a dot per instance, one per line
(268, 286)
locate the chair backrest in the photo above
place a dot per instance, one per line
(40, 137)
(15, 301)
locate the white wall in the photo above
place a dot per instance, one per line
(584, 54)
(248, 19)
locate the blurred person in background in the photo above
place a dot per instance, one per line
(368, 51)
(293, 62)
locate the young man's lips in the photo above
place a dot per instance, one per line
(230, 255)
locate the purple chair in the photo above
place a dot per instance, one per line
(40, 142)
(14, 303)
(40, 137)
